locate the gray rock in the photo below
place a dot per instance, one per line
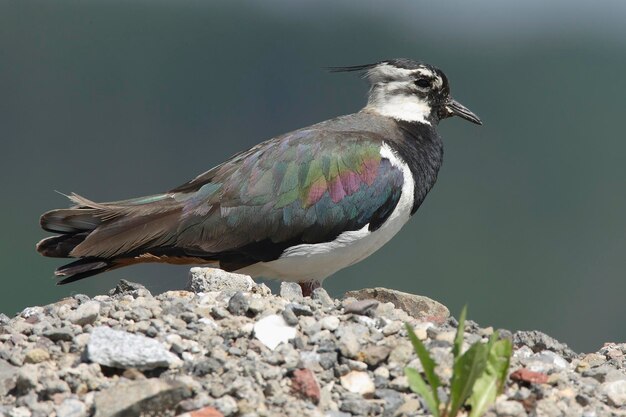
(510, 409)
(375, 354)
(538, 341)
(256, 306)
(227, 405)
(401, 353)
(213, 279)
(8, 374)
(393, 401)
(238, 304)
(27, 378)
(51, 386)
(355, 405)
(71, 407)
(131, 288)
(291, 291)
(361, 307)
(120, 349)
(300, 309)
(219, 312)
(145, 397)
(417, 306)
(290, 317)
(86, 313)
(328, 359)
(322, 296)
(62, 333)
(350, 337)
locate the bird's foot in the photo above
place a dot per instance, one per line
(308, 287)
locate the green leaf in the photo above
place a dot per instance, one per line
(427, 362)
(418, 386)
(491, 382)
(458, 340)
(467, 369)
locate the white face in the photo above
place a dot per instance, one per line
(403, 94)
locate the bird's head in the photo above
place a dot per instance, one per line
(411, 91)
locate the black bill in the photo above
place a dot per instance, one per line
(454, 108)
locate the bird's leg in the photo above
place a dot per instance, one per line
(308, 287)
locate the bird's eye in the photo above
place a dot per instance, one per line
(422, 82)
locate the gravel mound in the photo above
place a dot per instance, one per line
(237, 350)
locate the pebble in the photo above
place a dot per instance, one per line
(132, 289)
(300, 309)
(355, 406)
(152, 396)
(510, 409)
(361, 307)
(615, 392)
(203, 280)
(546, 361)
(36, 355)
(291, 291)
(120, 349)
(305, 384)
(7, 377)
(330, 323)
(322, 296)
(27, 378)
(238, 304)
(256, 306)
(71, 407)
(290, 317)
(358, 382)
(401, 353)
(272, 330)
(86, 313)
(226, 405)
(416, 306)
(373, 355)
(64, 333)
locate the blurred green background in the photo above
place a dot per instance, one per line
(527, 221)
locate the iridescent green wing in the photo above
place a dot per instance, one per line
(304, 187)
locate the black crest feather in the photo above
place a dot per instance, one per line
(353, 68)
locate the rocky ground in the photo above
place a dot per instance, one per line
(228, 347)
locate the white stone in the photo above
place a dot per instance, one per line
(71, 407)
(615, 392)
(330, 323)
(546, 361)
(208, 322)
(272, 330)
(213, 279)
(20, 412)
(86, 313)
(120, 349)
(358, 382)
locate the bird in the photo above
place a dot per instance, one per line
(298, 207)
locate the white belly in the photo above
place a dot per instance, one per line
(315, 262)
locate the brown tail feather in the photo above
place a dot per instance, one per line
(83, 268)
(60, 246)
(106, 236)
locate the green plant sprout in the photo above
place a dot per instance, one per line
(478, 374)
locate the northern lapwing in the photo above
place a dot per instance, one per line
(298, 207)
